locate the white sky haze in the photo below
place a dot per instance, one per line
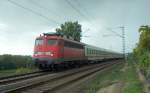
(19, 26)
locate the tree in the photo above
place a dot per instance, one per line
(15, 61)
(143, 45)
(142, 50)
(70, 29)
(144, 41)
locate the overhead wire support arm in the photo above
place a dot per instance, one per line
(115, 33)
(123, 40)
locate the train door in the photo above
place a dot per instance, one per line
(61, 44)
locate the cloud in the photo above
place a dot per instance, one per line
(19, 27)
(3, 26)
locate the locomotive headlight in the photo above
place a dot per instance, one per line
(40, 53)
(43, 53)
(51, 54)
(47, 53)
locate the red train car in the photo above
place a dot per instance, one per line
(52, 50)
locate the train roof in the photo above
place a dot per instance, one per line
(52, 34)
(62, 36)
(101, 49)
(86, 45)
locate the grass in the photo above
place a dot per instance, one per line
(104, 79)
(7, 72)
(131, 83)
(4, 73)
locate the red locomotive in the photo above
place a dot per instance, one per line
(52, 51)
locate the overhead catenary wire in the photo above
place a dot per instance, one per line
(44, 8)
(34, 12)
(88, 19)
(80, 13)
(77, 10)
(45, 17)
(84, 9)
(115, 33)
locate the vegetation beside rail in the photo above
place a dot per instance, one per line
(142, 51)
(15, 64)
(127, 76)
(10, 72)
(132, 84)
(15, 61)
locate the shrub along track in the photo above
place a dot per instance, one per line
(53, 82)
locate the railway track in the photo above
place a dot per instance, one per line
(77, 83)
(52, 82)
(65, 82)
(9, 79)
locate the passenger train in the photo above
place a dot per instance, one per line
(53, 51)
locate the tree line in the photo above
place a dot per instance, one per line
(142, 50)
(15, 61)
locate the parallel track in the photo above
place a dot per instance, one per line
(75, 79)
(54, 82)
(9, 79)
(12, 76)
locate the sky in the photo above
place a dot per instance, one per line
(21, 21)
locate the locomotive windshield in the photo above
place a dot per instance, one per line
(52, 42)
(38, 41)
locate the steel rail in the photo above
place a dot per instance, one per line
(56, 78)
(21, 77)
(76, 79)
(36, 82)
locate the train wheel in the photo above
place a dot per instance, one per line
(57, 67)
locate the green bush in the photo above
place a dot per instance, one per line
(142, 50)
(143, 61)
(23, 70)
(15, 61)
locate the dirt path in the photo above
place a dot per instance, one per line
(145, 83)
(114, 88)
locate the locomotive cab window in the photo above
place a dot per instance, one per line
(38, 41)
(52, 42)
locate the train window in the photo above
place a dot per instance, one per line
(72, 45)
(96, 52)
(99, 52)
(38, 41)
(91, 51)
(88, 51)
(52, 42)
